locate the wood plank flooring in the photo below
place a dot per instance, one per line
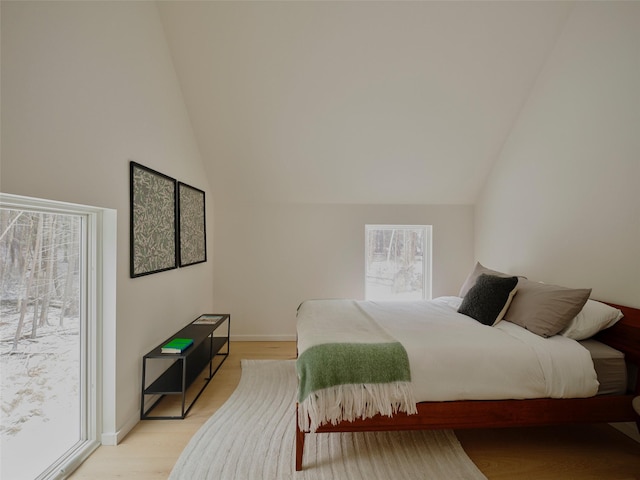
(600, 452)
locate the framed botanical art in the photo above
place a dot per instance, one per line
(153, 221)
(192, 237)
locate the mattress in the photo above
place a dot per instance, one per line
(451, 357)
(610, 367)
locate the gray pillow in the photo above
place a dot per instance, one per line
(545, 309)
(489, 298)
(478, 270)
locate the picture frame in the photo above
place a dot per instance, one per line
(153, 221)
(192, 231)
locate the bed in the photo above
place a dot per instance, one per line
(445, 394)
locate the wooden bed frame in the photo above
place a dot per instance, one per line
(623, 336)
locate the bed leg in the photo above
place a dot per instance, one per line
(299, 443)
(635, 403)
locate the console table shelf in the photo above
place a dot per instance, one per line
(188, 365)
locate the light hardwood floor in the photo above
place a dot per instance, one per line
(600, 452)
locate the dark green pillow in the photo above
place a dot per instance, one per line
(488, 300)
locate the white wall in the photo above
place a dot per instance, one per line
(271, 257)
(356, 102)
(87, 87)
(562, 203)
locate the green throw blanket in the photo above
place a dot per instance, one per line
(348, 366)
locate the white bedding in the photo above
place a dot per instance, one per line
(454, 357)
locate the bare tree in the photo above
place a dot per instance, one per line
(28, 280)
(10, 250)
(39, 267)
(71, 257)
(47, 274)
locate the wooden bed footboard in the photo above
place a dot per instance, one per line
(489, 414)
(624, 336)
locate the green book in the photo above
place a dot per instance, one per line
(177, 345)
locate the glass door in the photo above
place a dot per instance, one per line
(43, 331)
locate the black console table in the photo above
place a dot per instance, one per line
(188, 365)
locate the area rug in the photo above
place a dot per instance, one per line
(251, 437)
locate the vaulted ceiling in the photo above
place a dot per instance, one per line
(356, 102)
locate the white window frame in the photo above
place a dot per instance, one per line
(98, 243)
(427, 260)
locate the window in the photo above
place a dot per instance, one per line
(50, 286)
(398, 262)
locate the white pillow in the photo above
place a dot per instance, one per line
(593, 317)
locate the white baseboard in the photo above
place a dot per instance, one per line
(114, 438)
(109, 438)
(263, 338)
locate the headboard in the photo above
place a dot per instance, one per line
(625, 336)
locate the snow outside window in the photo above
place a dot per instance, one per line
(48, 337)
(398, 262)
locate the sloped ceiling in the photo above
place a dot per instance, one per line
(356, 102)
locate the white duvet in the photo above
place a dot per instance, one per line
(454, 357)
